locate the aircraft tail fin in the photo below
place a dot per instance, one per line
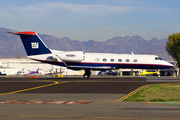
(32, 43)
(37, 70)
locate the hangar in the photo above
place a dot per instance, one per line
(13, 65)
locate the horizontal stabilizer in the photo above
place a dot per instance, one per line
(23, 33)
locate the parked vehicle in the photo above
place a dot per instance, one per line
(102, 73)
(112, 73)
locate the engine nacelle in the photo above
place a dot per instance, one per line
(74, 56)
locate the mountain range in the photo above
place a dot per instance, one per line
(11, 45)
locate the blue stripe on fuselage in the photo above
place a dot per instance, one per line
(121, 65)
(114, 65)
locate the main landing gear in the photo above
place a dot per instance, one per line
(87, 73)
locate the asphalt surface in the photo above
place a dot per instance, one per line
(55, 98)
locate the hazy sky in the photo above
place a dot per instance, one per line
(99, 20)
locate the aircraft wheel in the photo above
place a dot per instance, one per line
(159, 76)
(86, 76)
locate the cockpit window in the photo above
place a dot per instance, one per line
(158, 58)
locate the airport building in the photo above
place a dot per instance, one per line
(15, 65)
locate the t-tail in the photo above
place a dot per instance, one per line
(32, 43)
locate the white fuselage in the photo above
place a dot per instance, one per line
(102, 60)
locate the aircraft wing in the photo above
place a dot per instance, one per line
(91, 67)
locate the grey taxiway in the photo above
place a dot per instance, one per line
(23, 98)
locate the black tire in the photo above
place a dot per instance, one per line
(159, 76)
(86, 76)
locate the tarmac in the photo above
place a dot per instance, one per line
(75, 98)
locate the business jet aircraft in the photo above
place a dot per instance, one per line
(34, 72)
(25, 72)
(78, 60)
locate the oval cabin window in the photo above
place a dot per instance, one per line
(97, 59)
(119, 60)
(135, 60)
(127, 60)
(112, 60)
(104, 59)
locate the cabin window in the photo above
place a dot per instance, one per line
(97, 59)
(127, 60)
(135, 60)
(104, 59)
(112, 60)
(119, 60)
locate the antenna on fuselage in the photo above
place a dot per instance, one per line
(132, 53)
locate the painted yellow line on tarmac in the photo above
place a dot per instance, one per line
(55, 83)
(131, 93)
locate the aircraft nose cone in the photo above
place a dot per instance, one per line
(170, 65)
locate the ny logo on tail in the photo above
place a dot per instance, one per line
(34, 45)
